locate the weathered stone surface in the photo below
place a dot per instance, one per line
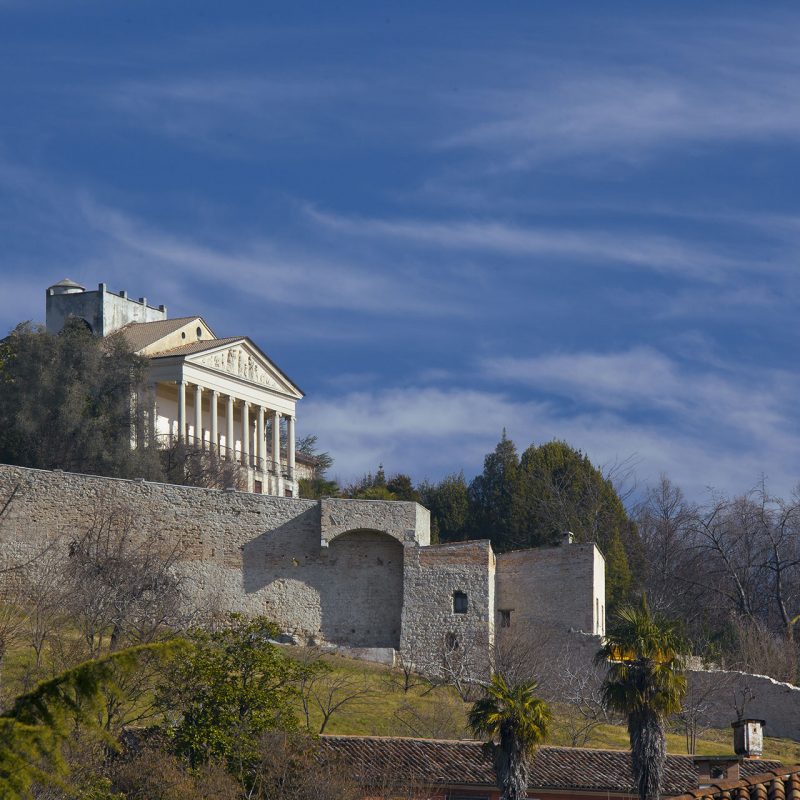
(358, 574)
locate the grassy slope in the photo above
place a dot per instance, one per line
(386, 710)
(441, 713)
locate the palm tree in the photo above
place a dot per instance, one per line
(516, 721)
(645, 681)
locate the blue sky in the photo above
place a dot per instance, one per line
(574, 220)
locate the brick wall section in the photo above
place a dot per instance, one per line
(432, 575)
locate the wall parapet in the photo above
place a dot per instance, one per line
(407, 522)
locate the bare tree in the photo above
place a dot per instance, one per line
(325, 692)
(122, 585)
(700, 700)
(407, 671)
(459, 660)
(193, 464)
(291, 767)
(576, 685)
(444, 719)
(43, 596)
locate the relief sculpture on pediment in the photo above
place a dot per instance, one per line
(237, 361)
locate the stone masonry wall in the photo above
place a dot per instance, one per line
(560, 586)
(242, 552)
(431, 625)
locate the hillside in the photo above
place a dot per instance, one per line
(386, 710)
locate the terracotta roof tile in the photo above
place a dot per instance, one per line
(776, 782)
(432, 761)
(142, 334)
(197, 347)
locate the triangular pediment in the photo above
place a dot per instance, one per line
(242, 359)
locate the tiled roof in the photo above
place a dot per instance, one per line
(774, 784)
(197, 347)
(142, 334)
(434, 761)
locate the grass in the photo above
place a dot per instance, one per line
(383, 708)
(386, 710)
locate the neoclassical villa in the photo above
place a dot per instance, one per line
(223, 394)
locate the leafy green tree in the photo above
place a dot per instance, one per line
(377, 487)
(561, 490)
(493, 497)
(516, 722)
(308, 447)
(402, 488)
(232, 686)
(317, 488)
(65, 403)
(36, 727)
(449, 506)
(646, 681)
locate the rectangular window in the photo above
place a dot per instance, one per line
(288, 493)
(505, 617)
(460, 603)
(257, 487)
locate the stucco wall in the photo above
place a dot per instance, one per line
(103, 310)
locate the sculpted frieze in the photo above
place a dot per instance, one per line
(237, 361)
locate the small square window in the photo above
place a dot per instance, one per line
(460, 603)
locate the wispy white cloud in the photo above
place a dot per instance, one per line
(631, 249)
(294, 276)
(427, 432)
(624, 115)
(749, 407)
(224, 110)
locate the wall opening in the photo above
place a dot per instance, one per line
(362, 600)
(505, 617)
(460, 602)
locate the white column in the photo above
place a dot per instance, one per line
(198, 416)
(290, 446)
(245, 435)
(214, 422)
(276, 443)
(261, 442)
(181, 411)
(229, 442)
(153, 431)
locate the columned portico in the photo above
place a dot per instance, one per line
(245, 434)
(181, 411)
(230, 450)
(214, 422)
(290, 447)
(198, 415)
(236, 380)
(261, 463)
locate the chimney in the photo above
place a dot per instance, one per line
(748, 737)
(568, 537)
(711, 769)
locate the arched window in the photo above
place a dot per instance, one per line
(460, 603)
